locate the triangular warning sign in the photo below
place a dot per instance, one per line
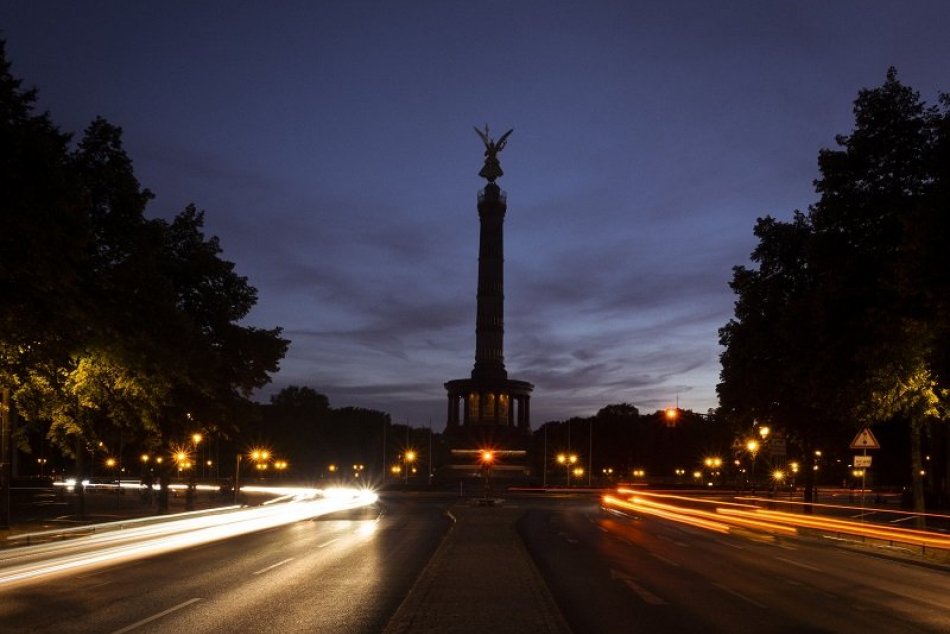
(865, 440)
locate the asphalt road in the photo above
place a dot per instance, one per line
(610, 573)
(342, 573)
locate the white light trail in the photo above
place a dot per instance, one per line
(30, 563)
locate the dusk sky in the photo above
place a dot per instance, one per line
(331, 146)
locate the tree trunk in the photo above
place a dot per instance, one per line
(80, 487)
(917, 466)
(6, 451)
(809, 493)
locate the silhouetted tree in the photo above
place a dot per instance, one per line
(834, 325)
(112, 323)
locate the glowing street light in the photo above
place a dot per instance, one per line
(487, 458)
(753, 446)
(568, 461)
(410, 457)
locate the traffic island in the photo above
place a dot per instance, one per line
(480, 579)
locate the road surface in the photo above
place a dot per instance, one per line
(341, 573)
(611, 573)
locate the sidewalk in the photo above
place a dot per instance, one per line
(481, 579)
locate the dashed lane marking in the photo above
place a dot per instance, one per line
(139, 624)
(740, 595)
(799, 564)
(271, 567)
(640, 591)
(665, 560)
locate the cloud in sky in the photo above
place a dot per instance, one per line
(332, 148)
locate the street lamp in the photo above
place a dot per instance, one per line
(111, 465)
(671, 414)
(181, 459)
(487, 458)
(196, 438)
(714, 464)
(567, 461)
(410, 457)
(753, 447)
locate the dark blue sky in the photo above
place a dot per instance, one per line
(331, 145)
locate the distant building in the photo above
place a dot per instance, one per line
(489, 410)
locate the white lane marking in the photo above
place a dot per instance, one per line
(665, 560)
(138, 624)
(739, 594)
(279, 563)
(335, 539)
(565, 537)
(799, 564)
(603, 530)
(643, 593)
(640, 591)
(98, 585)
(731, 545)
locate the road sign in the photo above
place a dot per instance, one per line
(778, 447)
(862, 461)
(865, 440)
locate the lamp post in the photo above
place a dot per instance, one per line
(567, 461)
(487, 458)
(753, 447)
(196, 438)
(713, 464)
(237, 479)
(410, 457)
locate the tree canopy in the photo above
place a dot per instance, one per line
(112, 322)
(842, 320)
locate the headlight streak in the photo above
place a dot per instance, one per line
(727, 516)
(634, 504)
(925, 539)
(146, 541)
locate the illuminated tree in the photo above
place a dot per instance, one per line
(850, 327)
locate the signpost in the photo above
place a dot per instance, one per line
(864, 440)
